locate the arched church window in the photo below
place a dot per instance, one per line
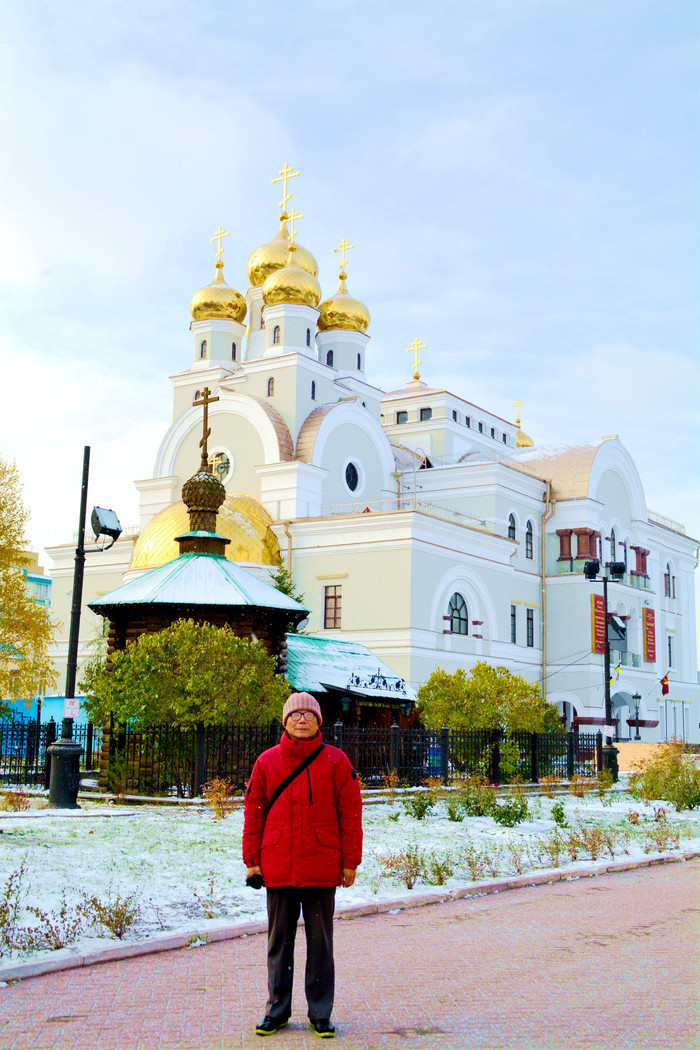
(667, 581)
(203, 348)
(359, 362)
(329, 358)
(511, 527)
(276, 334)
(234, 351)
(270, 387)
(612, 545)
(457, 612)
(313, 390)
(528, 540)
(308, 337)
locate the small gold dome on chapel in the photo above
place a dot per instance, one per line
(218, 300)
(241, 518)
(291, 284)
(342, 310)
(273, 256)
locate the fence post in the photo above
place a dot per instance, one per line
(535, 758)
(599, 752)
(274, 732)
(50, 738)
(394, 748)
(88, 747)
(445, 754)
(569, 755)
(198, 761)
(338, 734)
(496, 761)
(31, 752)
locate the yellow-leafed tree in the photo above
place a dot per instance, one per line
(25, 628)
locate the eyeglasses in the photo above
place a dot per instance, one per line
(297, 715)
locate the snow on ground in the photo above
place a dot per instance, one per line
(182, 866)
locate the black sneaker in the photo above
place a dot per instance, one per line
(268, 1026)
(323, 1028)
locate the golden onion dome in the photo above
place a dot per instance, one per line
(291, 284)
(273, 256)
(343, 311)
(523, 440)
(242, 519)
(218, 300)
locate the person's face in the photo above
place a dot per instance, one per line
(302, 725)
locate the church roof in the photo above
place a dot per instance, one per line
(197, 579)
(316, 665)
(568, 467)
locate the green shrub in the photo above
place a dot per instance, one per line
(420, 804)
(440, 868)
(407, 864)
(455, 810)
(511, 812)
(476, 797)
(670, 774)
(559, 816)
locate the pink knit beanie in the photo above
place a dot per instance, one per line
(301, 702)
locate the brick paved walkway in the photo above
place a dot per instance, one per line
(598, 964)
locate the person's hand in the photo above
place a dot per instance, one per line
(255, 870)
(347, 877)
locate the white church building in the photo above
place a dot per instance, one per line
(413, 521)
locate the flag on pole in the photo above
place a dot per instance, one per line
(664, 685)
(615, 674)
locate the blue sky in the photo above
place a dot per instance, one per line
(519, 180)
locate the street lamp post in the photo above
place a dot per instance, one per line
(591, 571)
(636, 697)
(64, 777)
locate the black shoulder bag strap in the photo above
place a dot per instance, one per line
(293, 775)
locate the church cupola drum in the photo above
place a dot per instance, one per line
(343, 322)
(218, 312)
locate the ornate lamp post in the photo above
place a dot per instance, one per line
(591, 571)
(636, 697)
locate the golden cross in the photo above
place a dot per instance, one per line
(217, 237)
(343, 247)
(285, 173)
(205, 400)
(294, 214)
(517, 405)
(415, 346)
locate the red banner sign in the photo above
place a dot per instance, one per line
(597, 623)
(649, 629)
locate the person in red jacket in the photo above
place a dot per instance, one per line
(302, 833)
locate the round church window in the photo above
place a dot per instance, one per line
(221, 464)
(352, 478)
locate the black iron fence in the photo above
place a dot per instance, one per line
(23, 744)
(163, 760)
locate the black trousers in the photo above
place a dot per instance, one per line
(317, 904)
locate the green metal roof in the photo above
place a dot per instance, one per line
(316, 665)
(197, 579)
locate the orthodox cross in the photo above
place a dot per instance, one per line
(517, 405)
(343, 247)
(284, 174)
(217, 237)
(415, 346)
(205, 400)
(294, 214)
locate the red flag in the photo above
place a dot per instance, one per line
(664, 685)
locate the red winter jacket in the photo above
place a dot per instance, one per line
(314, 828)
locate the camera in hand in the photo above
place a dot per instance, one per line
(256, 882)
